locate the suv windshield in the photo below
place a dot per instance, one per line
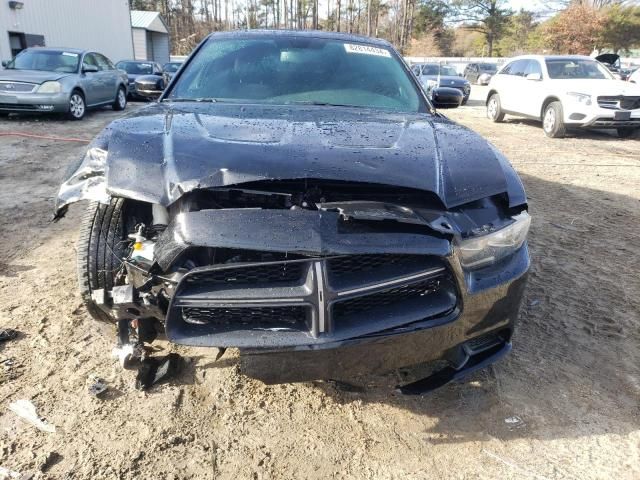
(488, 67)
(289, 70)
(571, 68)
(46, 61)
(135, 68)
(439, 69)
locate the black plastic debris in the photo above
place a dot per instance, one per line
(98, 387)
(8, 334)
(154, 370)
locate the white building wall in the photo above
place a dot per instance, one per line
(100, 25)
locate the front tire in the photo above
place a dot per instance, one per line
(494, 109)
(120, 103)
(100, 249)
(553, 121)
(627, 132)
(77, 106)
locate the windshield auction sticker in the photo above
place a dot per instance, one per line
(367, 50)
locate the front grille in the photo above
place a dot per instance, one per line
(367, 263)
(252, 317)
(384, 298)
(17, 106)
(619, 102)
(310, 300)
(16, 87)
(253, 275)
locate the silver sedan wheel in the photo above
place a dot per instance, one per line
(122, 99)
(76, 106)
(549, 120)
(492, 108)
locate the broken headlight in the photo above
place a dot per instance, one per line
(484, 250)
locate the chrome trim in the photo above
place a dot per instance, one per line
(395, 281)
(322, 300)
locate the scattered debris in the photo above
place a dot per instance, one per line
(156, 369)
(27, 411)
(514, 422)
(220, 353)
(10, 370)
(98, 386)
(6, 474)
(48, 460)
(128, 354)
(7, 334)
(534, 302)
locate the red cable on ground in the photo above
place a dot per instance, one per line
(45, 137)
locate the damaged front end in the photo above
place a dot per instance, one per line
(314, 278)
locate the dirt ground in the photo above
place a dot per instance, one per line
(564, 405)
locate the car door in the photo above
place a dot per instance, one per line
(90, 80)
(534, 87)
(473, 73)
(513, 89)
(110, 76)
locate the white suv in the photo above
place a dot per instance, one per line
(564, 92)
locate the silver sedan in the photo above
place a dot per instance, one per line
(67, 80)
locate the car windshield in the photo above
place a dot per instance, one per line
(290, 70)
(488, 67)
(46, 61)
(171, 67)
(136, 68)
(439, 70)
(571, 68)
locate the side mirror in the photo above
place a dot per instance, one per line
(149, 86)
(89, 69)
(445, 97)
(5, 63)
(534, 76)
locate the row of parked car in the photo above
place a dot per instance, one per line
(71, 81)
(563, 92)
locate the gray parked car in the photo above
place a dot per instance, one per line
(63, 80)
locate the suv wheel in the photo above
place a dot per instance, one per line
(77, 107)
(627, 132)
(552, 121)
(494, 109)
(120, 103)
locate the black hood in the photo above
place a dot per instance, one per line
(168, 149)
(608, 58)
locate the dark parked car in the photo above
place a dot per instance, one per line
(61, 80)
(480, 73)
(298, 197)
(136, 69)
(432, 75)
(170, 69)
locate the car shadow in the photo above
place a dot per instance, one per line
(571, 133)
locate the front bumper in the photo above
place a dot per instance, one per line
(305, 321)
(596, 117)
(486, 317)
(35, 102)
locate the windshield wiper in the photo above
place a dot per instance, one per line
(200, 100)
(325, 104)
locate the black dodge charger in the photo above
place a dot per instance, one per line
(297, 196)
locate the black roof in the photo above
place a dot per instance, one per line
(347, 37)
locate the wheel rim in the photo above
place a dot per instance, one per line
(549, 120)
(122, 100)
(493, 108)
(76, 105)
